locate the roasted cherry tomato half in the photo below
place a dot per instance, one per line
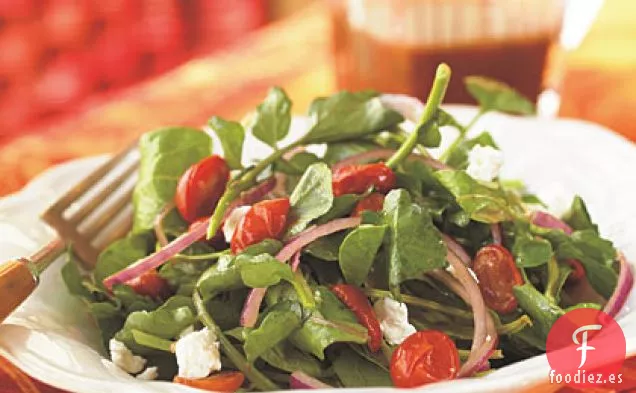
(356, 179)
(578, 271)
(373, 202)
(265, 220)
(424, 357)
(358, 302)
(227, 381)
(200, 188)
(150, 284)
(497, 273)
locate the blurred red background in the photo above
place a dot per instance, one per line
(58, 54)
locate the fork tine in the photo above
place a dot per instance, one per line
(79, 189)
(83, 249)
(117, 233)
(108, 214)
(92, 204)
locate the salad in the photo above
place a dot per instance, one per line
(370, 264)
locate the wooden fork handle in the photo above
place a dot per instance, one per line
(16, 284)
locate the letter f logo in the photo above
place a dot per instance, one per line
(583, 343)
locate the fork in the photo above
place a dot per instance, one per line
(90, 216)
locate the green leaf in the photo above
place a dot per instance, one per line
(109, 318)
(277, 325)
(332, 308)
(317, 333)
(273, 117)
(358, 251)
(338, 151)
(482, 203)
(342, 206)
(151, 341)
(578, 217)
(73, 278)
(532, 252)
(346, 115)
(458, 157)
(297, 165)
(231, 134)
(120, 254)
(312, 197)
(263, 270)
(541, 310)
(492, 95)
(166, 322)
(165, 156)
(429, 135)
(415, 246)
(355, 371)
(327, 247)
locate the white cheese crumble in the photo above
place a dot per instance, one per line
(394, 322)
(123, 358)
(186, 331)
(149, 374)
(233, 220)
(198, 354)
(484, 163)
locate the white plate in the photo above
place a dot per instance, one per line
(52, 338)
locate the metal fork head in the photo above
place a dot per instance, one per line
(97, 210)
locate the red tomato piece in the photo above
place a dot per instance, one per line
(356, 179)
(265, 220)
(373, 202)
(495, 268)
(227, 381)
(358, 302)
(200, 188)
(578, 271)
(150, 284)
(424, 357)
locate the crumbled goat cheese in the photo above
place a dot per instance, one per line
(484, 163)
(394, 322)
(233, 220)
(149, 374)
(123, 358)
(198, 354)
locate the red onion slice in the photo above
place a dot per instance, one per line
(300, 380)
(485, 335)
(296, 260)
(153, 261)
(547, 220)
(457, 249)
(379, 154)
(158, 224)
(196, 232)
(623, 288)
(495, 230)
(256, 295)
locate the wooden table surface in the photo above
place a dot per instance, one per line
(599, 85)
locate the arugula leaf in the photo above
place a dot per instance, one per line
(355, 371)
(165, 156)
(578, 217)
(277, 325)
(529, 250)
(297, 165)
(263, 270)
(109, 318)
(429, 134)
(120, 254)
(273, 117)
(166, 322)
(342, 206)
(458, 157)
(317, 333)
(482, 203)
(494, 95)
(338, 151)
(73, 278)
(327, 247)
(346, 115)
(231, 134)
(543, 312)
(415, 246)
(358, 251)
(227, 307)
(332, 308)
(312, 197)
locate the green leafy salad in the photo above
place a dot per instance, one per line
(370, 264)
